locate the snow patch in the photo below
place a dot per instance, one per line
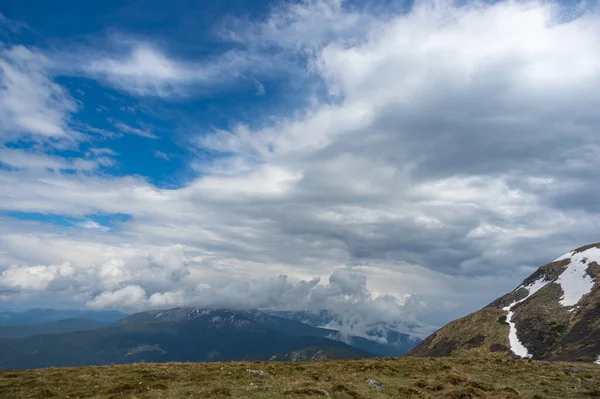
(565, 256)
(597, 360)
(574, 281)
(515, 345)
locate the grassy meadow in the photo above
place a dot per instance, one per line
(401, 378)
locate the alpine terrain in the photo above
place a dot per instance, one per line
(553, 315)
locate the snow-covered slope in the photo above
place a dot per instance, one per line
(575, 281)
(554, 314)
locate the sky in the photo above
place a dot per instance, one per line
(403, 162)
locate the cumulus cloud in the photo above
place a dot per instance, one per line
(453, 150)
(130, 296)
(33, 278)
(131, 279)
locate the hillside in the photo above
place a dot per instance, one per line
(553, 315)
(494, 377)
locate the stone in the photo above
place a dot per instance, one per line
(573, 369)
(256, 372)
(373, 383)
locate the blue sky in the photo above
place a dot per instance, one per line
(396, 161)
(183, 31)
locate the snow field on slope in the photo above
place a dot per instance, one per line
(574, 281)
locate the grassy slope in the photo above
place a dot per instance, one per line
(478, 333)
(494, 377)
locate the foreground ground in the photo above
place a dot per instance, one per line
(401, 378)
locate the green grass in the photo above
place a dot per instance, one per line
(402, 378)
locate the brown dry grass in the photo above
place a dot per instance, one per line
(402, 378)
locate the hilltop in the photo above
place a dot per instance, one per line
(553, 315)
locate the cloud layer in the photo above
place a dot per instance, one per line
(445, 152)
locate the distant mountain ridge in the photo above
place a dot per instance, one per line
(553, 315)
(40, 315)
(50, 327)
(179, 334)
(282, 321)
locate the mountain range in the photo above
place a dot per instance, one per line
(553, 315)
(184, 334)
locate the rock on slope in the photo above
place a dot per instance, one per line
(553, 315)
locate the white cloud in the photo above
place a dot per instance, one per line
(303, 26)
(260, 89)
(30, 102)
(32, 160)
(142, 63)
(128, 297)
(13, 26)
(144, 70)
(33, 278)
(161, 155)
(90, 224)
(134, 277)
(267, 181)
(102, 151)
(125, 128)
